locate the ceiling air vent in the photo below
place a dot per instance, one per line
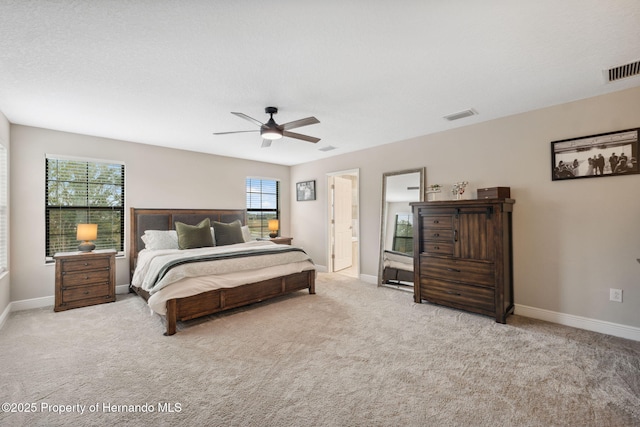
(460, 115)
(623, 71)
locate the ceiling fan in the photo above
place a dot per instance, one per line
(271, 130)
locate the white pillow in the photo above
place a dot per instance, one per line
(246, 233)
(160, 239)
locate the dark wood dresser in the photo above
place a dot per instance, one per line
(463, 255)
(84, 279)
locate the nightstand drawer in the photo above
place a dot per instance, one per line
(85, 292)
(85, 264)
(89, 277)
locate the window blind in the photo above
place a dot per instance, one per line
(83, 192)
(263, 204)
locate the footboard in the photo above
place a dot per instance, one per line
(180, 309)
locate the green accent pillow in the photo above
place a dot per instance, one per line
(228, 234)
(194, 236)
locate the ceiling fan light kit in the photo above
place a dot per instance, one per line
(271, 130)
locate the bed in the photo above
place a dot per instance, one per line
(182, 294)
(397, 267)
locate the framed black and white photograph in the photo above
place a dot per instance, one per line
(305, 190)
(605, 154)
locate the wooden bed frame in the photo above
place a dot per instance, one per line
(180, 309)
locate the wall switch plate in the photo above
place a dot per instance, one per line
(615, 295)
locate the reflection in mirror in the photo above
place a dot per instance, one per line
(396, 237)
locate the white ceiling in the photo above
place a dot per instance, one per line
(169, 73)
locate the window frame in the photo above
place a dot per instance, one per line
(88, 207)
(408, 237)
(275, 212)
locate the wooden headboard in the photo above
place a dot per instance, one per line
(164, 219)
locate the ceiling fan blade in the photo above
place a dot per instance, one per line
(300, 136)
(251, 119)
(235, 131)
(299, 123)
(266, 143)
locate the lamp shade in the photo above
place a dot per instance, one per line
(87, 232)
(274, 225)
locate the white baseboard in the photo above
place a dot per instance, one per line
(367, 278)
(122, 289)
(28, 304)
(5, 315)
(609, 328)
(321, 268)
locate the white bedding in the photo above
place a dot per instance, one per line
(191, 279)
(399, 261)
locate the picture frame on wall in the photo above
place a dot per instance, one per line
(593, 156)
(305, 190)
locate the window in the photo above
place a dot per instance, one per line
(4, 211)
(263, 204)
(79, 192)
(403, 234)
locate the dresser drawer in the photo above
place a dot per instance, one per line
(85, 264)
(85, 292)
(468, 297)
(435, 247)
(430, 222)
(445, 234)
(474, 272)
(89, 277)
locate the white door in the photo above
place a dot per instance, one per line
(343, 246)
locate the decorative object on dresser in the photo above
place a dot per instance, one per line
(463, 255)
(84, 278)
(458, 189)
(282, 240)
(432, 192)
(494, 193)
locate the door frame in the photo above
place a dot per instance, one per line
(330, 231)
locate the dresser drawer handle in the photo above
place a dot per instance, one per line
(435, 221)
(455, 270)
(436, 247)
(86, 263)
(454, 293)
(86, 292)
(436, 234)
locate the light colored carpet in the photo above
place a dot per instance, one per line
(351, 355)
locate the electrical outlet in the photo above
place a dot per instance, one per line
(615, 295)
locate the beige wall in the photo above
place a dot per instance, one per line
(5, 292)
(155, 178)
(573, 240)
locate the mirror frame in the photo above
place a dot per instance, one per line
(383, 211)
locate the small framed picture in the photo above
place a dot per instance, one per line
(605, 154)
(305, 190)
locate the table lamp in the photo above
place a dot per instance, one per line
(86, 233)
(274, 225)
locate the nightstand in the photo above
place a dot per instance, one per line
(84, 278)
(282, 240)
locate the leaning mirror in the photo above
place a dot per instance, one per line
(396, 238)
